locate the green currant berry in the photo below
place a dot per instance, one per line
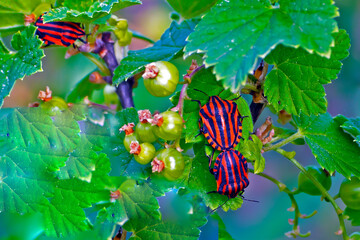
(169, 125)
(130, 136)
(307, 186)
(110, 96)
(350, 193)
(143, 153)
(145, 132)
(161, 78)
(173, 163)
(128, 139)
(54, 106)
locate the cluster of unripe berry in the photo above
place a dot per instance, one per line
(167, 126)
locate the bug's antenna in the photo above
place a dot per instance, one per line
(219, 206)
(201, 92)
(249, 200)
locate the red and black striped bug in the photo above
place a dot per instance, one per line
(58, 33)
(222, 122)
(230, 171)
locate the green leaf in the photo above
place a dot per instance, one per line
(26, 61)
(332, 147)
(295, 82)
(222, 233)
(247, 123)
(33, 128)
(33, 146)
(156, 229)
(64, 213)
(234, 34)
(251, 149)
(81, 162)
(167, 48)
(191, 8)
(86, 11)
(31, 226)
(184, 226)
(82, 89)
(352, 127)
(354, 216)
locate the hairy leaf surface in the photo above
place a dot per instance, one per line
(332, 147)
(234, 34)
(295, 82)
(26, 61)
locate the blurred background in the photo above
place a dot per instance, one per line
(267, 219)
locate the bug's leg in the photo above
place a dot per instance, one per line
(201, 129)
(82, 40)
(234, 99)
(210, 161)
(198, 101)
(242, 117)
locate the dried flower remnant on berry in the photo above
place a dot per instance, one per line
(157, 120)
(45, 95)
(135, 148)
(157, 165)
(114, 195)
(145, 116)
(151, 71)
(127, 128)
(29, 19)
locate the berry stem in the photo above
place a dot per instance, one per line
(338, 210)
(97, 62)
(283, 142)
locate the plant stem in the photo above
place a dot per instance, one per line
(283, 188)
(97, 62)
(283, 142)
(322, 190)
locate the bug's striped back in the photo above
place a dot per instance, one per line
(230, 171)
(58, 33)
(221, 123)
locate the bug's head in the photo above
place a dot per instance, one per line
(214, 99)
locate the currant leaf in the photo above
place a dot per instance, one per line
(295, 82)
(234, 34)
(25, 62)
(332, 147)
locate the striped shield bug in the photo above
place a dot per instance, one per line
(221, 122)
(58, 33)
(230, 171)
